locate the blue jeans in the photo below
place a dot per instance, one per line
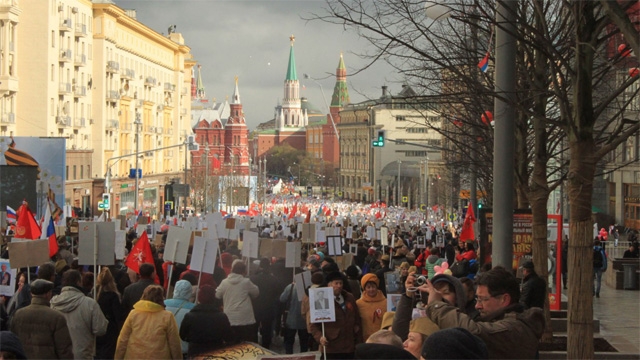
(597, 273)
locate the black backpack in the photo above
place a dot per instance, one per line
(460, 268)
(598, 261)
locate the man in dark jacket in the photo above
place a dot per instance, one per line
(508, 330)
(42, 331)
(133, 292)
(265, 305)
(534, 288)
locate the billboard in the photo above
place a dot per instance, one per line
(47, 156)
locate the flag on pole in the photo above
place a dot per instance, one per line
(467, 232)
(49, 231)
(11, 215)
(26, 225)
(293, 211)
(484, 63)
(140, 254)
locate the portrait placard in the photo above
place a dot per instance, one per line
(106, 233)
(321, 305)
(7, 278)
(205, 252)
(28, 252)
(302, 281)
(250, 244)
(392, 301)
(177, 245)
(334, 245)
(349, 232)
(384, 236)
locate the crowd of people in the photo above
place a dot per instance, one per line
(478, 312)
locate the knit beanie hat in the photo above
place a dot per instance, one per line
(423, 325)
(454, 343)
(9, 342)
(369, 278)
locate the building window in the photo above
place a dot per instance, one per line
(74, 172)
(66, 174)
(81, 172)
(401, 118)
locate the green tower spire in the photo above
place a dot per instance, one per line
(291, 69)
(340, 95)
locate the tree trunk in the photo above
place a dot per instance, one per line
(580, 312)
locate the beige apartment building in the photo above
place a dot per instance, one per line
(87, 70)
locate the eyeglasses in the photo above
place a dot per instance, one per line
(485, 299)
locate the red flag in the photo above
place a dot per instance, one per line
(467, 232)
(140, 254)
(293, 211)
(378, 215)
(327, 211)
(308, 219)
(286, 210)
(26, 226)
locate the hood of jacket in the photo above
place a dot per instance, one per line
(148, 306)
(235, 279)
(68, 300)
(366, 298)
(461, 294)
(182, 290)
(432, 259)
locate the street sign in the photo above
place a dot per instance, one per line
(168, 205)
(423, 207)
(181, 189)
(405, 199)
(132, 173)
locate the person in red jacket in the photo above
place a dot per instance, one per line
(469, 254)
(422, 259)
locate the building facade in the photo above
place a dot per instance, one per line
(102, 80)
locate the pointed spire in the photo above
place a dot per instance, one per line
(340, 95)
(199, 86)
(291, 69)
(235, 99)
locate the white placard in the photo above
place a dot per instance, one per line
(250, 244)
(120, 243)
(204, 254)
(106, 232)
(384, 236)
(303, 281)
(371, 232)
(292, 258)
(350, 232)
(320, 236)
(334, 245)
(321, 305)
(177, 245)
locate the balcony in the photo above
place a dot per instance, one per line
(65, 55)
(8, 83)
(79, 122)
(81, 30)
(64, 88)
(113, 67)
(8, 118)
(63, 121)
(111, 125)
(169, 87)
(66, 25)
(128, 74)
(81, 60)
(79, 91)
(150, 81)
(113, 95)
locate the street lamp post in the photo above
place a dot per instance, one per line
(206, 178)
(398, 185)
(306, 76)
(137, 184)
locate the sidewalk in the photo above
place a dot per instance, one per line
(619, 315)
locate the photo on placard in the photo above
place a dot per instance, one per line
(321, 305)
(7, 278)
(392, 282)
(421, 241)
(440, 241)
(353, 248)
(392, 301)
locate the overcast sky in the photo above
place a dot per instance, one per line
(250, 39)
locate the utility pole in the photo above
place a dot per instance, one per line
(398, 185)
(135, 199)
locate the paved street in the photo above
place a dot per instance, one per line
(619, 315)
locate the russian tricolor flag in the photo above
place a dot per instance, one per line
(12, 217)
(49, 231)
(484, 63)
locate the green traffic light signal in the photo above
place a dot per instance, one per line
(380, 141)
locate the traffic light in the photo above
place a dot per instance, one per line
(106, 201)
(479, 205)
(379, 141)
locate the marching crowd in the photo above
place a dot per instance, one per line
(441, 311)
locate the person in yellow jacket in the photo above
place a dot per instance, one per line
(372, 305)
(150, 331)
